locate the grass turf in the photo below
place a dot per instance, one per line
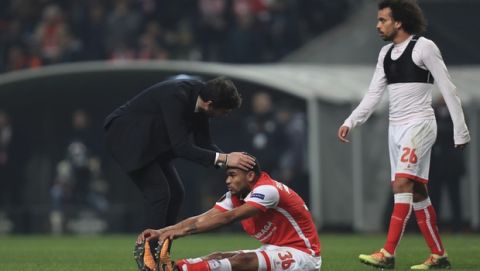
(108, 253)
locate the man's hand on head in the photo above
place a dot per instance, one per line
(240, 160)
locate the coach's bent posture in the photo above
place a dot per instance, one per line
(269, 211)
(408, 69)
(163, 122)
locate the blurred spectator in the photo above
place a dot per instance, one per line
(78, 182)
(152, 44)
(53, 37)
(34, 33)
(93, 32)
(123, 26)
(264, 135)
(212, 28)
(246, 40)
(283, 27)
(7, 178)
(17, 59)
(447, 167)
(293, 164)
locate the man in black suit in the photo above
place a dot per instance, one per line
(165, 121)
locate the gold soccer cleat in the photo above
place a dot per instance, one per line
(380, 259)
(434, 262)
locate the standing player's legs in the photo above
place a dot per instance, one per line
(427, 219)
(411, 170)
(403, 195)
(155, 189)
(409, 148)
(177, 192)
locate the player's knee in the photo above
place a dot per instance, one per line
(215, 256)
(420, 192)
(402, 185)
(244, 261)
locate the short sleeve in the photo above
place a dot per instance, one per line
(225, 203)
(263, 197)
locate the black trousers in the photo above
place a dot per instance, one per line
(162, 191)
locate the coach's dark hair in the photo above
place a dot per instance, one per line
(408, 12)
(222, 92)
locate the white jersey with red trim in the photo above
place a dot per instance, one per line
(410, 102)
(285, 219)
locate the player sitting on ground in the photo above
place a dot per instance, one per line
(269, 211)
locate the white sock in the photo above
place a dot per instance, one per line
(220, 265)
(403, 198)
(422, 204)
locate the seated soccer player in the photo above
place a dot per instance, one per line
(269, 211)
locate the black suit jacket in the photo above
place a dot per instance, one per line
(160, 123)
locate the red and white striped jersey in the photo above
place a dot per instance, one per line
(285, 219)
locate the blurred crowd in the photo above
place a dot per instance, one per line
(34, 33)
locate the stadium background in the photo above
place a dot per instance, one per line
(311, 59)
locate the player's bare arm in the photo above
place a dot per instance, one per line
(152, 234)
(343, 133)
(215, 220)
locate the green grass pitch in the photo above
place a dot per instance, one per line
(114, 252)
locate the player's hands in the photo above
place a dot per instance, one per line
(148, 235)
(171, 234)
(343, 133)
(240, 160)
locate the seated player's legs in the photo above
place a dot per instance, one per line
(286, 258)
(266, 258)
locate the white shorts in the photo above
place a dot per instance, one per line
(275, 258)
(410, 148)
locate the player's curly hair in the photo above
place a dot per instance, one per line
(408, 12)
(222, 92)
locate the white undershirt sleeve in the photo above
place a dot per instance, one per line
(372, 97)
(432, 59)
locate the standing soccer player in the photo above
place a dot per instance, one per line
(408, 69)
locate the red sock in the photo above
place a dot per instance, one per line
(199, 266)
(398, 221)
(427, 222)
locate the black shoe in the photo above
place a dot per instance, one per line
(144, 257)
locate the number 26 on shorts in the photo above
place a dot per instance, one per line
(409, 155)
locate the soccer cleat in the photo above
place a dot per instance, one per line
(138, 252)
(162, 253)
(434, 262)
(144, 258)
(380, 259)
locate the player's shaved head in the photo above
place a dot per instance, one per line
(256, 169)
